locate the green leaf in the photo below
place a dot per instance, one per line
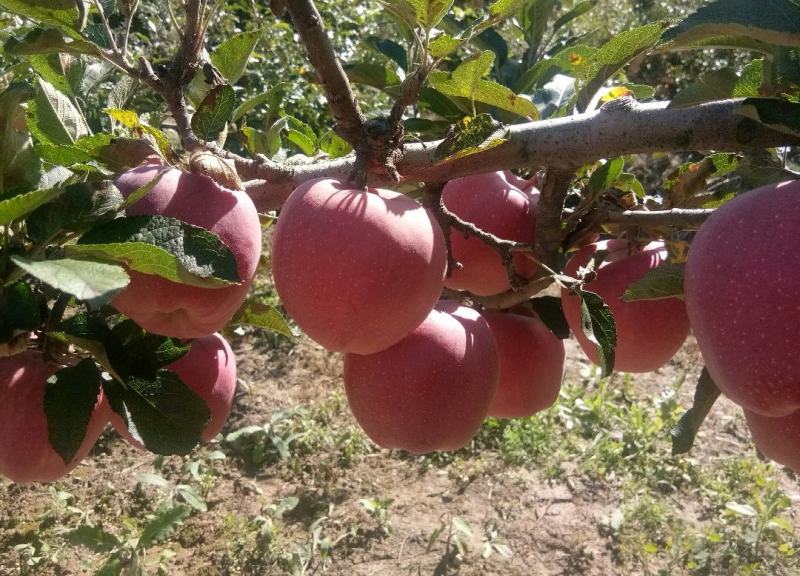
(136, 352)
(628, 182)
(768, 21)
(231, 57)
(92, 537)
(597, 323)
(93, 282)
(444, 45)
(54, 118)
(550, 312)
(19, 310)
(604, 176)
(748, 85)
(69, 400)
(49, 41)
(389, 48)
(214, 112)
(18, 206)
(502, 9)
(430, 12)
(262, 315)
(714, 85)
(685, 431)
(260, 142)
(162, 246)
(470, 135)
(533, 21)
(51, 68)
(20, 166)
(375, 75)
(334, 145)
(61, 13)
(298, 133)
(613, 55)
(467, 81)
(163, 525)
(163, 413)
(570, 61)
(777, 114)
(664, 281)
(272, 98)
(131, 120)
(78, 207)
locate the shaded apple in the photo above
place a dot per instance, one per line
(430, 391)
(209, 370)
(531, 365)
(777, 438)
(494, 204)
(172, 309)
(649, 332)
(356, 269)
(741, 284)
(26, 454)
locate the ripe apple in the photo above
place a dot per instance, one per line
(496, 205)
(356, 269)
(777, 438)
(209, 370)
(649, 332)
(25, 451)
(430, 391)
(171, 309)
(741, 284)
(531, 365)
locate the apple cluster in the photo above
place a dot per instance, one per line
(362, 272)
(158, 305)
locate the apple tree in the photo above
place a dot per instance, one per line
(439, 171)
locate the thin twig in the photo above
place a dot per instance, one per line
(677, 217)
(104, 20)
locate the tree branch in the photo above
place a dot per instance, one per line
(611, 131)
(341, 100)
(676, 217)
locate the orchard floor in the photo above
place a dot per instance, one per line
(589, 488)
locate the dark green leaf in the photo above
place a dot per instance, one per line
(714, 85)
(163, 246)
(334, 145)
(20, 166)
(50, 41)
(664, 281)
(579, 9)
(272, 98)
(597, 323)
(549, 311)
(214, 112)
(768, 21)
(779, 115)
(163, 525)
(163, 413)
(93, 537)
(19, 310)
(69, 400)
(534, 21)
(685, 431)
(390, 49)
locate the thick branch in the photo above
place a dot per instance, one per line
(674, 217)
(342, 102)
(606, 133)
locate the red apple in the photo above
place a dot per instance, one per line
(742, 286)
(430, 391)
(649, 332)
(531, 365)
(495, 205)
(25, 451)
(777, 438)
(209, 370)
(356, 269)
(171, 309)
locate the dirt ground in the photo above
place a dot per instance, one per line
(562, 494)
